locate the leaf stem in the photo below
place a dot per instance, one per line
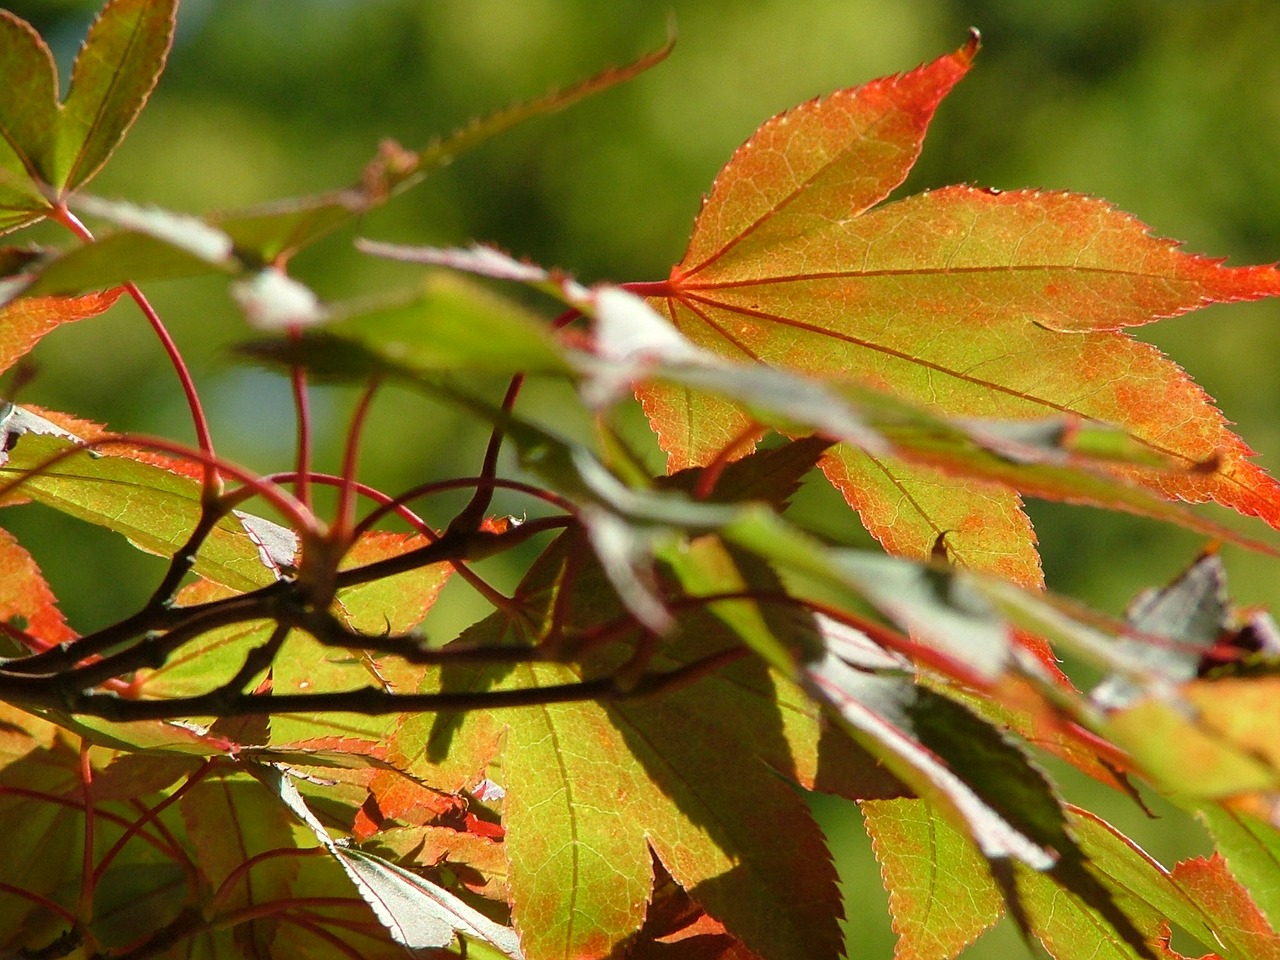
(342, 524)
(334, 941)
(302, 406)
(649, 288)
(228, 884)
(275, 907)
(87, 873)
(472, 514)
(135, 828)
(212, 480)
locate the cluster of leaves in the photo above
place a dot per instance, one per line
(270, 758)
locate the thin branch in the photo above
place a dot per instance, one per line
(472, 514)
(373, 701)
(259, 604)
(152, 651)
(451, 547)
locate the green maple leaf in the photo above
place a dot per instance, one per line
(967, 301)
(595, 790)
(164, 502)
(49, 149)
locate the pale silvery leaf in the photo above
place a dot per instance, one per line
(628, 329)
(419, 915)
(15, 421)
(879, 708)
(178, 230)
(277, 545)
(272, 300)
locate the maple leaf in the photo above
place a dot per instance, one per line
(38, 463)
(51, 148)
(592, 788)
(941, 897)
(1209, 883)
(970, 302)
(26, 602)
(24, 322)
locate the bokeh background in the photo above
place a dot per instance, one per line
(1168, 108)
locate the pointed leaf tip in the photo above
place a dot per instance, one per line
(116, 70)
(970, 50)
(792, 264)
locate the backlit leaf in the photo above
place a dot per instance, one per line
(44, 856)
(24, 322)
(26, 602)
(230, 819)
(28, 118)
(303, 664)
(450, 324)
(591, 788)
(1071, 930)
(941, 897)
(976, 303)
(1057, 456)
(1252, 849)
(1138, 879)
(418, 914)
(1210, 884)
(114, 74)
(159, 514)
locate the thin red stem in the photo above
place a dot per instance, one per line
(342, 525)
(212, 480)
(158, 843)
(392, 504)
(302, 404)
(45, 902)
(87, 874)
(334, 941)
(235, 876)
(388, 505)
(151, 813)
(710, 475)
(649, 288)
(274, 907)
(455, 483)
(290, 507)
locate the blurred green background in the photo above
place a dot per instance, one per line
(1168, 108)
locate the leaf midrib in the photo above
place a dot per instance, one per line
(683, 286)
(103, 101)
(802, 187)
(689, 301)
